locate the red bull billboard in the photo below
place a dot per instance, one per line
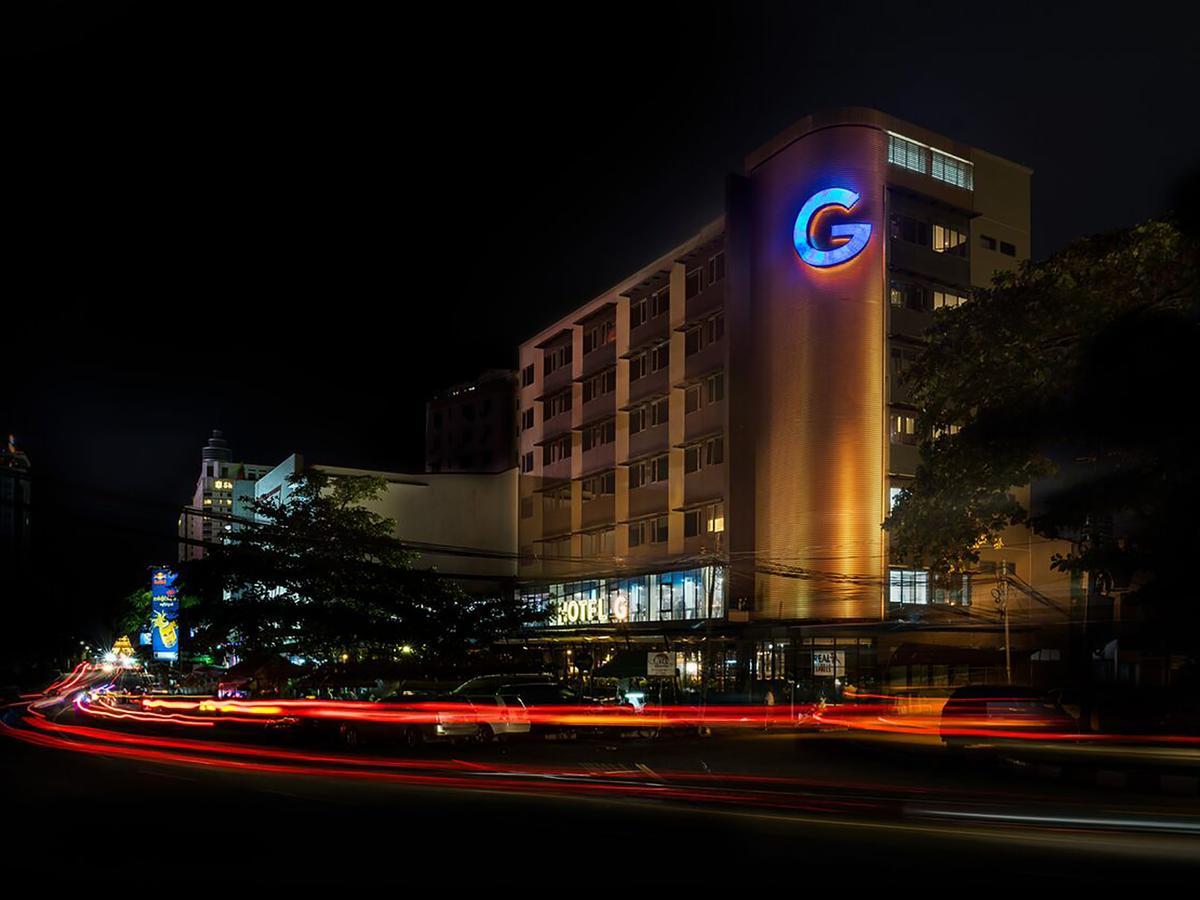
(164, 615)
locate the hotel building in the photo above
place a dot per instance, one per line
(708, 449)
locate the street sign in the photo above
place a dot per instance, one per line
(660, 664)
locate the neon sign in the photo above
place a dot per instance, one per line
(856, 233)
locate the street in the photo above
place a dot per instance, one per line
(804, 809)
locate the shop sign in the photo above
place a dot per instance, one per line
(578, 612)
(829, 663)
(660, 664)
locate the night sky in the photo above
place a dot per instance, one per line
(294, 225)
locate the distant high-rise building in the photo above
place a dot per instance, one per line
(472, 427)
(15, 496)
(222, 497)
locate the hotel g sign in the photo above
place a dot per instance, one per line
(856, 233)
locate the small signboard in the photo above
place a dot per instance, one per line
(660, 664)
(829, 663)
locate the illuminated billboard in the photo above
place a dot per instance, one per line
(164, 615)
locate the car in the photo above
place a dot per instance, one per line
(988, 716)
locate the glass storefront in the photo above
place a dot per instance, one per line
(668, 597)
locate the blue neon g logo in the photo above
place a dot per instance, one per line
(857, 232)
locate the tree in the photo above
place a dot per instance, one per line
(322, 575)
(1072, 374)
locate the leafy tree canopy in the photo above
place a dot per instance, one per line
(1072, 374)
(322, 575)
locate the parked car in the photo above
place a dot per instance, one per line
(993, 715)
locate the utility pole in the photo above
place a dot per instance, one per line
(712, 586)
(1000, 597)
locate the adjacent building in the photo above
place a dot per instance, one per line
(461, 524)
(708, 449)
(223, 491)
(471, 427)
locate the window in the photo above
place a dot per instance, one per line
(710, 452)
(638, 312)
(714, 387)
(527, 419)
(527, 376)
(527, 462)
(708, 519)
(638, 419)
(599, 335)
(907, 154)
(660, 357)
(1008, 249)
(945, 430)
(660, 302)
(701, 335)
(716, 267)
(943, 299)
(637, 534)
(903, 428)
(989, 243)
(660, 411)
(692, 340)
(556, 450)
(526, 507)
(660, 468)
(659, 528)
(637, 474)
(556, 357)
(953, 170)
(557, 404)
(949, 240)
(637, 367)
(599, 435)
(598, 543)
(908, 586)
(693, 282)
(602, 485)
(952, 590)
(599, 385)
(906, 295)
(893, 496)
(902, 358)
(691, 399)
(910, 230)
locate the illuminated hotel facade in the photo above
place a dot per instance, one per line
(708, 449)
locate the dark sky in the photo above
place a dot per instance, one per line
(295, 224)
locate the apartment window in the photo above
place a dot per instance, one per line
(953, 170)
(637, 474)
(660, 468)
(527, 376)
(1008, 249)
(902, 358)
(691, 399)
(660, 302)
(701, 335)
(637, 534)
(710, 452)
(556, 450)
(638, 419)
(526, 507)
(598, 543)
(599, 385)
(714, 387)
(556, 358)
(527, 462)
(955, 592)
(599, 335)
(943, 299)
(556, 405)
(910, 230)
(906, 295)
(708, 519)
(693, 340)
(693, 282)
(908, 586)
(659, 528)
(637, 367)
(946, 430)
(716, 267)
(907, 154)
(660, 411)
(949, 240)
(660, 357)
(638, 312)
(602, 485)
(903, 428)
(527, 419)
(989, 243)
(714, 328)
(893, 496)
(599, 435)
